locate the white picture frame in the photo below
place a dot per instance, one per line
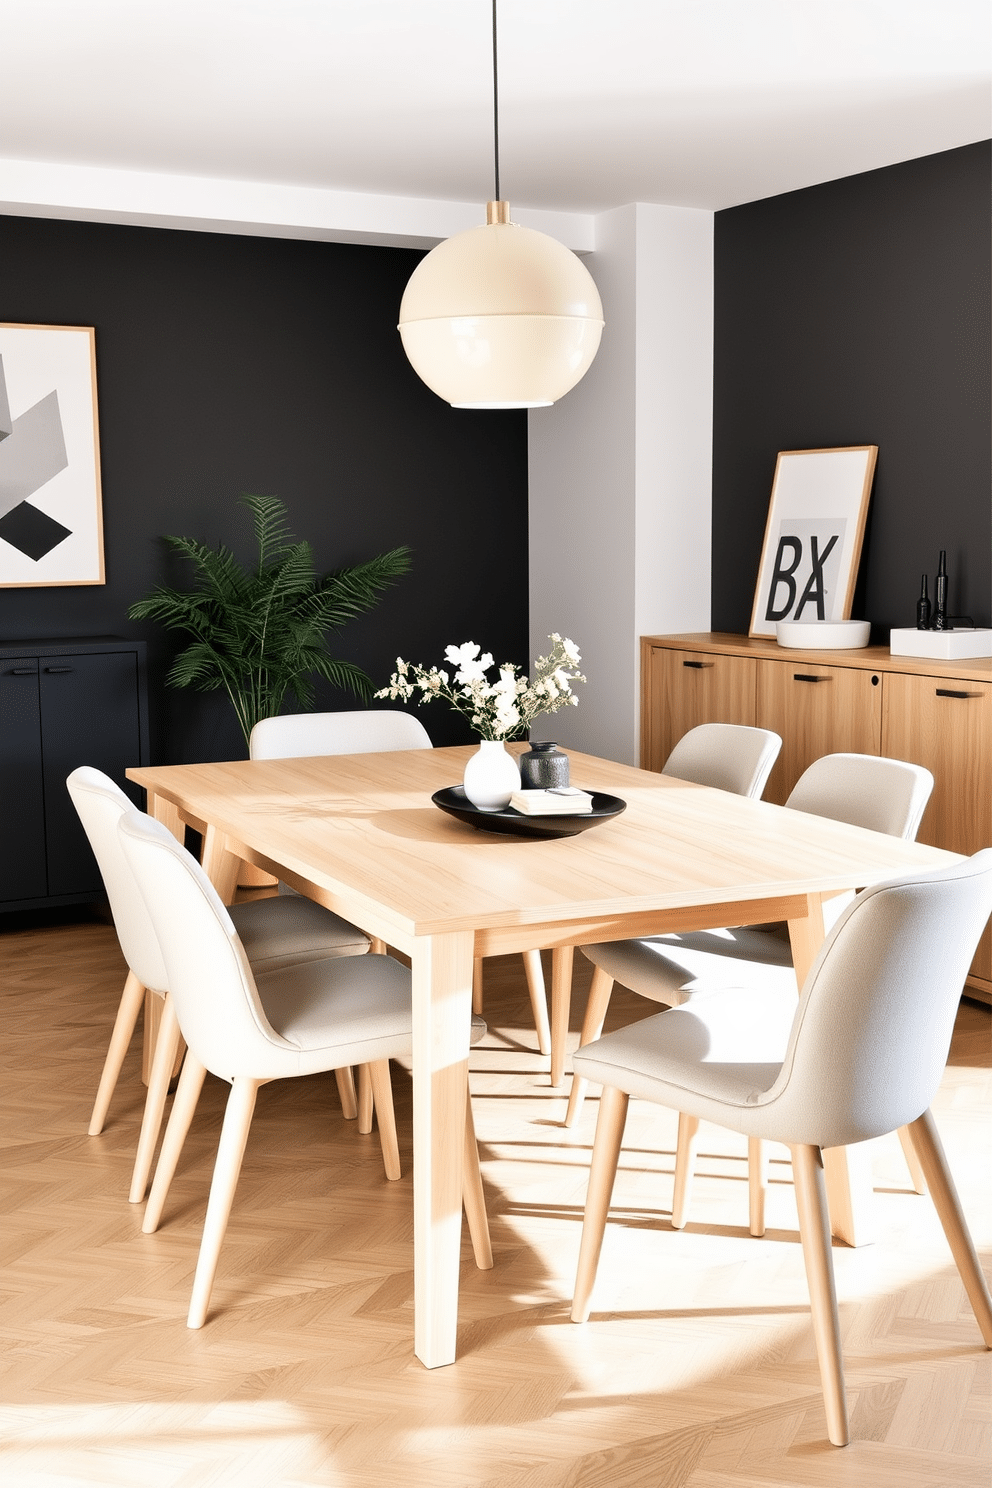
(813, 536)
(51, 504)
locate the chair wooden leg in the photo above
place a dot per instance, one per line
(381, 1088)
(757, 1183)
(561, 1001)
(538, 999)
(930, 1154)
(366, 1100)
(814, 1230)
(473, 1196)
(685, 1168)
(183, 1109)
(345, 1080)
(602, 1175)
(227, 1170)
(600, 990)
(127, 1016)
(912, 1161)
(477, 986)
(167, 1047)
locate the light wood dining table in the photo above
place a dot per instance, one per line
(359, 834)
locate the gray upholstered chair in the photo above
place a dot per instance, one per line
(249, 1030)
(884, 795)
(275, 933)
(297, 735)
(859, 1056)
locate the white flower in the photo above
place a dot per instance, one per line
(498, 710)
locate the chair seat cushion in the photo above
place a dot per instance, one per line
(346, 1010)
(286, 930)
(715, 1057)
(675, 968)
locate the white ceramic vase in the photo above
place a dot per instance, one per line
(491, 776)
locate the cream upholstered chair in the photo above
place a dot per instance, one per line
(274, 932)
(725, 756)
(249, 1030)
(884, 795)
(296, 735)
(859, 1056)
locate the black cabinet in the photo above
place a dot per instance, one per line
(62, 704)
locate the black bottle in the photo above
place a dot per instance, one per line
(940, 593)
(923, 606)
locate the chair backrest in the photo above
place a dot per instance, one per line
(297, 735)
(101, 804)
(728, 756)
(217, 1003)
(866, 790)
(875, 1016)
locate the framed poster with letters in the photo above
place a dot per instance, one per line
(816, 523)
(51, 510)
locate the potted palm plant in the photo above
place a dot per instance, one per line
(260, 633)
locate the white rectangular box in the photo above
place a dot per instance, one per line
(942, 645)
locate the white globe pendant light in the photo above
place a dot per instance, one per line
(500, 316)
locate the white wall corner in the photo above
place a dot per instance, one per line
(620, 472)
(674, 421)
(582, 477)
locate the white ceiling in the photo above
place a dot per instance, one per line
(702, 103)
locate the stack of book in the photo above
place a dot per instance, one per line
(564, 800)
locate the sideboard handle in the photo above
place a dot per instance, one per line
(806, 677)
(946, 692)
(60, 669)
(24, 671)
(698, 665)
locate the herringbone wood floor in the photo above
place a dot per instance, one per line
(696, 1371)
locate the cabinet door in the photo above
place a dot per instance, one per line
(946, 725)
(686, 688)
(817, 710)
(89, 716)
(22, 801)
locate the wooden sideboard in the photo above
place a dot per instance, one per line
(934, 713)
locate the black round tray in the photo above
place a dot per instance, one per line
(515, 824)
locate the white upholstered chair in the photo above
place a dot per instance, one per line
(249, 1030)
(725, 756)
(884, 795)
(275, 933)
(297, 735)
(859, 1056)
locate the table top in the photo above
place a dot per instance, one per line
(362, 829)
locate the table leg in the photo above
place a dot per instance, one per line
(847, 1169)
(442, 1011)
(220, 865)
(168, 814)
(561, 1002)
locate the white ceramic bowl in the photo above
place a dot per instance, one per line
(823, 635)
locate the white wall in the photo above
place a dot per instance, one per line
(620, 472)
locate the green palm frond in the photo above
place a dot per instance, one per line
(261, 634)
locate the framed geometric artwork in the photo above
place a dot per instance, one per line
(812, 547)
(51, 511)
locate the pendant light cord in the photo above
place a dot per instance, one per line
(496, 196)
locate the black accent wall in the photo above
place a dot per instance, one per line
(857, 312)
(228, 364)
